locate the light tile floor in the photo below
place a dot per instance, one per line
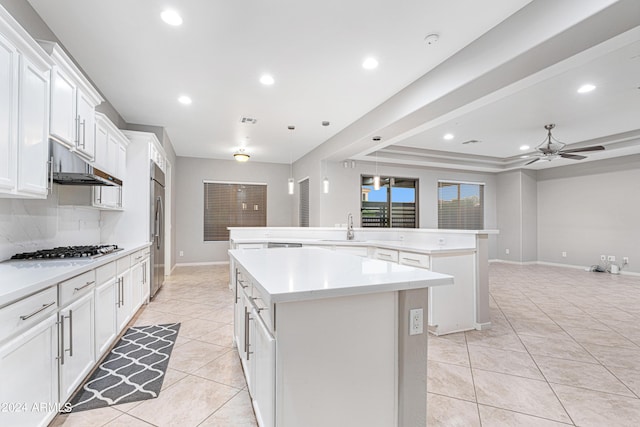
(564, 350)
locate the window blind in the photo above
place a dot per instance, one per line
(303, 211)
(233, 205)
(460, 206)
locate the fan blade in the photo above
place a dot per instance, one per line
(572, 156)
(583, 149)
(532, 161)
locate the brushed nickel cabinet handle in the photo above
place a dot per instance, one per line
(82, 287)
(44, 307)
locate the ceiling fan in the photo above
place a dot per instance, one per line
(551, 149)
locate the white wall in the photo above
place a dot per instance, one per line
(517, 216)
(588, 210)
(189, 193)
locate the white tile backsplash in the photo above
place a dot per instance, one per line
(29, 225)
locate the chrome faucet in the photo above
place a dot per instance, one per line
(350, 233)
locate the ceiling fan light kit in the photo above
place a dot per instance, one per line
(551, 149)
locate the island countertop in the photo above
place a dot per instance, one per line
(296, 274)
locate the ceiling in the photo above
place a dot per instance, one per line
(314, 51)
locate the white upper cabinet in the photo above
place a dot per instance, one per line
(8, 113)
(24, 112)
(73, 104)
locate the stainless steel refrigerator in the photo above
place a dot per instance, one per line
(157, 228)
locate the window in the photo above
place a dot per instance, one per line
(303, 211)
(394, 205)
(460, 205)
(232, 205)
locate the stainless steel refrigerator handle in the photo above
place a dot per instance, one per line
(159, 216)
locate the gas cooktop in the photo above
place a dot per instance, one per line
(90, 251)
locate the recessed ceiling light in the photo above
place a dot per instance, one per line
(370, 64)
(448, 136)
(267, 80)
(524, 147)
(586, 88)
(171, 17)
(184, 99)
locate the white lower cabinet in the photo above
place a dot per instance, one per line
(28, 368)
(263, 346)
(77, 348)
(106, 294)
(124, 302)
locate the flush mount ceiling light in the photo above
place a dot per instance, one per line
(267, 80)
(171, 17)
(370, 63)
(586, 88)
(241, 156)
(448, 136)
(184, 99)
(524, 147)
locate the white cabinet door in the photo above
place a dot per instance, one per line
(77, 344)
(146, 285)
(29, 372)
(33, 130)
(136, 285)
(86, 124)
(124, 303)
(105, 325)
(101, 159)
(8, 114)
(63, 115)
(263, 345)
(122, 162)
(112, 165)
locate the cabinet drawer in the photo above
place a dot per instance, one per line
(79, 285)
(105, 273)
(137, 257)
(386, 254)
(414, 259)
(123, 264)
(251, 246)
(361, 251)
(28, 311)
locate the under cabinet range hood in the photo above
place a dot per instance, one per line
(68, 168)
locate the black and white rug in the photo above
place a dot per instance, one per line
(134, 369)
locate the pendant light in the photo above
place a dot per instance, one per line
(325, 181)
(291, 181)
(376, 177)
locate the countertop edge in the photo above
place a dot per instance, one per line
(33, 288)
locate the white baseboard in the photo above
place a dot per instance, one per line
(504, 261)
(482, 326)
(556, 264)
(194, 264)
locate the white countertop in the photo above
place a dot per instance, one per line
(386, 244)
(21, 278)
(294, 274)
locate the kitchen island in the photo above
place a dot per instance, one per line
(462, 254)
(328, 338)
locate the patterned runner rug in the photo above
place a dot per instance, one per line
(134, 369)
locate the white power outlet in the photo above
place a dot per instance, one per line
(506, 251)
(603, 257)
(625, 260)
(181, 253)
(564, 254)
(415, 321)
(611, 258)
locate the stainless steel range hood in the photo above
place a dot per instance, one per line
(70, 169)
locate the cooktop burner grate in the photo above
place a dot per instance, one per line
(89, 251)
